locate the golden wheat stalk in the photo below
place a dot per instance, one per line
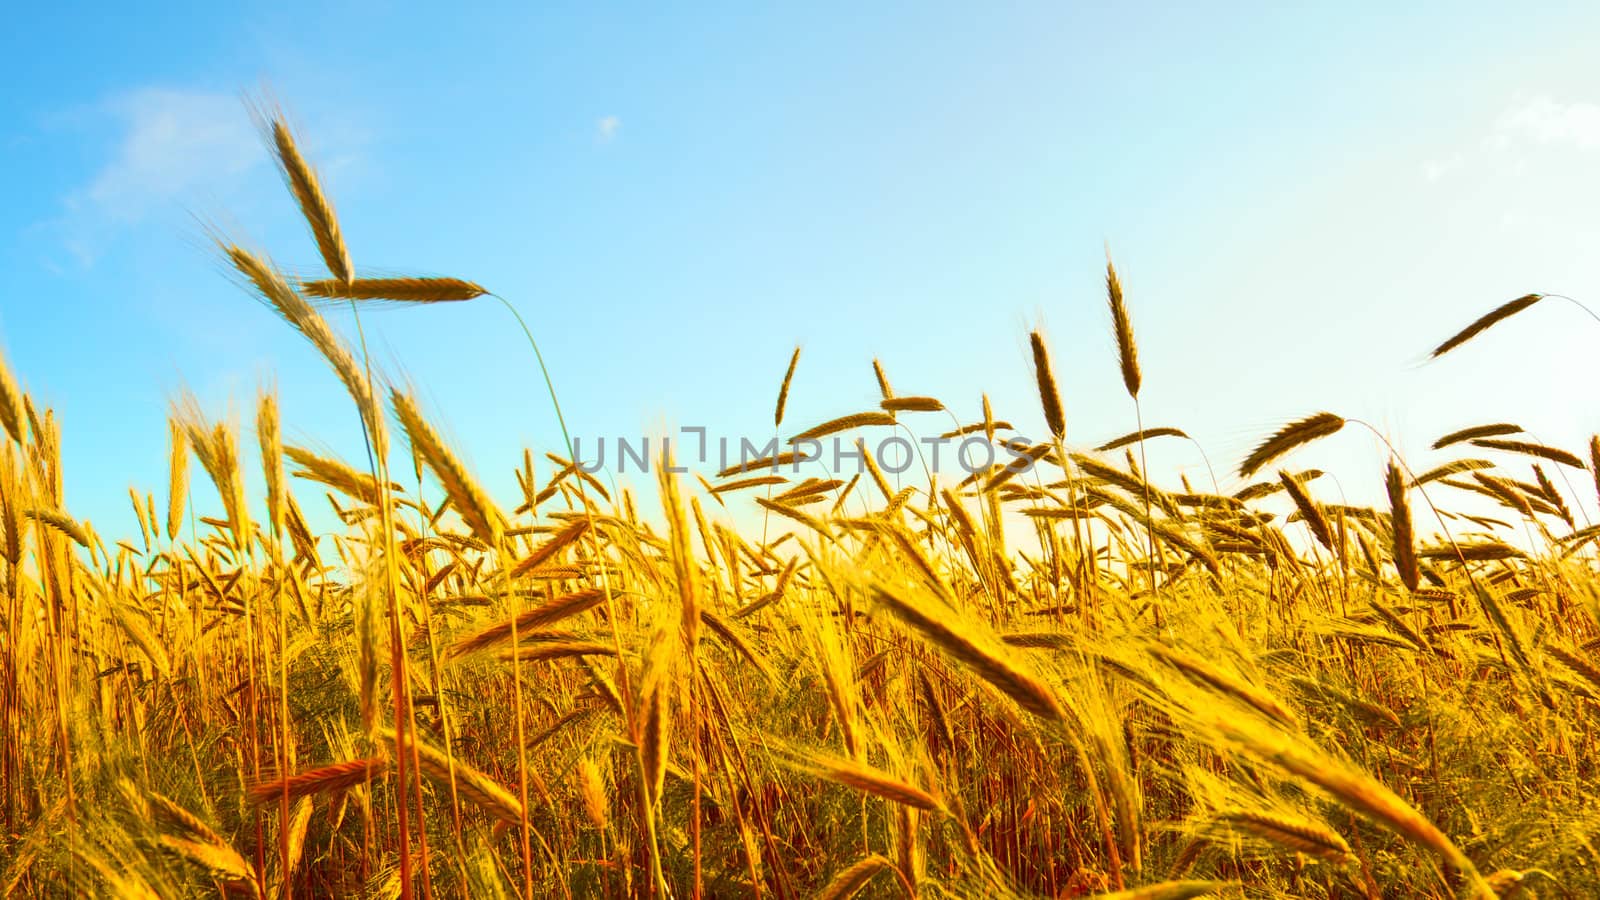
(1310, 512)
(1494, 429)
(1475, 551)
(1022, 463)
(1594, 460)
(849, 881)
(271, 441)
(1528, 448)
(867, 779)
(470, 500)
(592, 791)
(911, 404)
(451, 771)
(134, 625)
(1355, 790)
(1172, 890)
(1548, 488)
(1578, 665)
(871, 465)
(1301, 836)
(1135, 437)
(12, 414)
(1227, 684)
(684, 567)
(547, 551)
(544, 651)
(726, 632)
(766, 462)
(1405, 553)
(220, 858)
(742, 483)
(60, 522)
(177, 477)
(297, 312)
(943, 734)
(958, 641)
(172, 814)
(789, 512)
(843, 423)
(217, 448)
(299, 826)
(1130, 483)
(774, 595)
(314, 203)
(12, 515)
(1485, 322)
(1122, 328)
(811, 487)
(653, 717)
(1507, 492)
(783, 389)
(323, 779)
(325, 470)
(1401, 627)
(570, 468)
(146, 529)
(1049, 395)
(884, 391)
(547, 613)
(1456, 467)
(988, 427)
(400, 290)
(1295, 434)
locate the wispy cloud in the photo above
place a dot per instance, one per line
(1435, 169)
(1547, 121)
(1528, 125)
(607, 128)
(175, 143)
(172, 148)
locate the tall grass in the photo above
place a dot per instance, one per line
(1106, 684)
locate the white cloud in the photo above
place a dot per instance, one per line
(1547, 121)
(1435, 169)
(1520, 139)
(606, 128)
(175, 144)
(171, 149)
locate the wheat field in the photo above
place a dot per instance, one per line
(1054, 678)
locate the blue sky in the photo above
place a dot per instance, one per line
(1301, 203)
